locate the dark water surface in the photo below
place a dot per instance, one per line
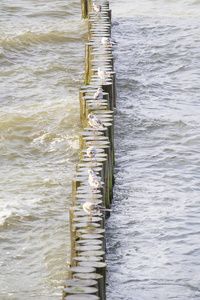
(153, 233)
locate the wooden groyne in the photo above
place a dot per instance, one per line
(93, 180)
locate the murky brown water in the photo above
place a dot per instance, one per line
(41, 69)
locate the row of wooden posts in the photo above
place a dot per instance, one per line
(87, 273)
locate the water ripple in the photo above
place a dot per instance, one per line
(153, 232)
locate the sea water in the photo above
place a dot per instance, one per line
(153, 244)
(41, 70)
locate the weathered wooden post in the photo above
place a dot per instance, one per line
(87, 58)
(87, 274)
(84, 8)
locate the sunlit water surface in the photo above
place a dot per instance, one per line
(41, 70)
(153, 233)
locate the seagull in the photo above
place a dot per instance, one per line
(108, 42)
(91, 152)
(91, 173)
(94, 180)
(103, 74)
(92, 208)
(95, 122)
(98, 94)
(97, 7)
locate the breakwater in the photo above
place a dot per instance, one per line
(93, 180)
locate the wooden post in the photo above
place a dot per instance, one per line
(88, 269)
(86, 78)
(84, 9)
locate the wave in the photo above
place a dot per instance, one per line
(31, 38)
